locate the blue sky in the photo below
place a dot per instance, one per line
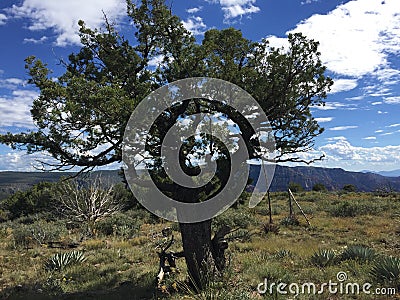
(360, 45)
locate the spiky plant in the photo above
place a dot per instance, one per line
(283, 253)
(359, 253)
(387, 269)
(60, 261)
(323, 258)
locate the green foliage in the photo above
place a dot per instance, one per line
(295, 187)
(283, 253)
(349, 188)
(233, 219)
(319, 187)
(324, 258)
(40, 198)
(118, 224)
(60, 261)
(290, 221)
(344, 209)
(358, 252)
(38, 233)
(387, 269)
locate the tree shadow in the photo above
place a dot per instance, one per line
(142, 289)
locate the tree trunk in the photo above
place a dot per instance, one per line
(197, 247)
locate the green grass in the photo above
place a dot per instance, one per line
(124, 266)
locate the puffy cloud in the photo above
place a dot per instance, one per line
(343, 85)
(15, 109)
(195, 25)
(3, 19)
(194, 10)
(63, 16)
(356, 37)
(35, 41)
(236, 8)
(392, 100)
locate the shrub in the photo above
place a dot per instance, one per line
(344, 209)
(350, 188)
(359, 253)
(290, 221)
(319, 187)
(38, 233)
(324, 257)
(386, 269)
(233, 218)
(40, 198)
(119, 224)
(295, 187)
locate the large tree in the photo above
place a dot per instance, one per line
(80, 118)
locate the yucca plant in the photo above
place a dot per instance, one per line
(324, 258)
(283, 253)
(359, 253)
(386, 269)
(60, 261)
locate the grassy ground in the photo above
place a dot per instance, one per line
(124, 263)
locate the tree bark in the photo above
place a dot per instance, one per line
(197, 247)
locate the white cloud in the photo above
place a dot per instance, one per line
(15, 109)
(343, 153)
(332, 106)
(194, 10)
(355, 98)
(370, 138)
(324, 120)
(3, 19)
(376, 103)
(195, 25)
(236, 8)
(35, 41)
(392, 100)
(337, 128)
(63, 16)
(382, 112)
(343, 85)
(277, 42)
(11, 83)
(378, 131)
(393, 125)
(356, 37)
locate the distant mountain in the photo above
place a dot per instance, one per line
(10, 182)
(333, 179)
(393, 173)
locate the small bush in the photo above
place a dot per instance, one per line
(349, 188)
(319, 187)
(118, 225)
(323, 258)
(233, 218)
(386, 269)
(283, 253)
(295, 187)
(290, 221)
(344, 209)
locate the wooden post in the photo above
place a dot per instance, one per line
(298, 205)
(269, 207)
(290, 204)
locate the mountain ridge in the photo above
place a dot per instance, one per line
(306, 176)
